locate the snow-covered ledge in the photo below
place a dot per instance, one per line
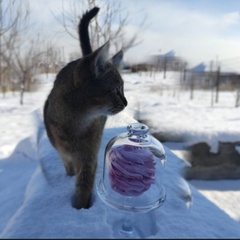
(47, 210)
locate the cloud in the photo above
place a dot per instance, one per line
(230, 19)
(195, 35)
(198, 35)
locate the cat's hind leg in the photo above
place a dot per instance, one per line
(68, 162)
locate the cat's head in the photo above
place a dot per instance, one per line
(99, 77)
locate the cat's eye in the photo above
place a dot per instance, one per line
(118, 90)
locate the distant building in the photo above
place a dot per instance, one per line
(167, 61)
(200, 68)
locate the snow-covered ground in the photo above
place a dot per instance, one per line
(166, 103)
(30, 207)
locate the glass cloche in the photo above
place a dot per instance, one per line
(133, 171)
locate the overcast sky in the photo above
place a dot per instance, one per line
(198, 30)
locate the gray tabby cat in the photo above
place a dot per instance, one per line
(84, 93)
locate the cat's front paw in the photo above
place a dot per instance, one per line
(79, 203)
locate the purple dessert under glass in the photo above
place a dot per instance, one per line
(131, 170)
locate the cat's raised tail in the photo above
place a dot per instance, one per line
(83, 30)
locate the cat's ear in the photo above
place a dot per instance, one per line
(117, 59)
(101, 57)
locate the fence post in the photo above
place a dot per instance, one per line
(164, 67)
(192, 85)
(238, 93)
(217, 84)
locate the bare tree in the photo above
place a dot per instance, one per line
(24, 64)
(51, 58)
(110, 23)
(73, 56)
(13, 20)
(19, 49)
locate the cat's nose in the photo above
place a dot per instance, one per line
(125, 102)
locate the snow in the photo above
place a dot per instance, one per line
(36, 195)
(155, 98)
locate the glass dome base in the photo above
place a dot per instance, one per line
(146, 202)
